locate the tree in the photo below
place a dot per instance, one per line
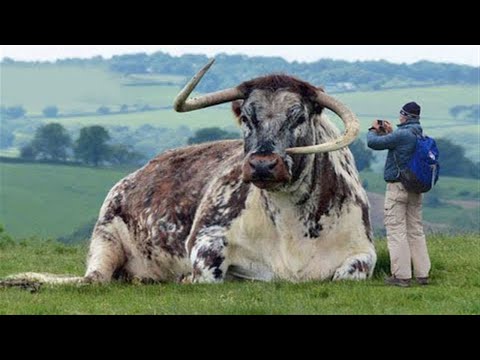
(363, 156)
(453, 161)
(50, 112)
(28, 152)
(103, 110)
(51, 142)
(211, 134)
(91, 147)
(14, 112)
(6, 138)
(121, 154)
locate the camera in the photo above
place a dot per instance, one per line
(381, 127)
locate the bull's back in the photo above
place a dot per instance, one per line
(158, 203)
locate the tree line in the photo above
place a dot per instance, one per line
(53, 143)
(92, 147)
(52, 111)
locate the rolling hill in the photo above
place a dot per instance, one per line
(78, 91)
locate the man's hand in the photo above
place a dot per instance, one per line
(385, 128)
(388, 127)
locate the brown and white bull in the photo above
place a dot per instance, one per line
(285, 203)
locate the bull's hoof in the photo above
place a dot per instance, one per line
(358, 267)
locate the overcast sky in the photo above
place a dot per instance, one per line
(462, 54)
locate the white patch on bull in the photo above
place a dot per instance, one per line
(262, 250)
(210, 241)
(358, 267)
(282, 252)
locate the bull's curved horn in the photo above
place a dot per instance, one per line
(352, 128)
(183, 104)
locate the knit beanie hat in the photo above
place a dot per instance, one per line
(411, 110)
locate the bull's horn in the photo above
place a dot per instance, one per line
(183, 104)
(352, 128)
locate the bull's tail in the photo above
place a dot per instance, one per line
(35, 280)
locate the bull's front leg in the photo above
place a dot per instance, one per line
(209, 256)
(357, 267)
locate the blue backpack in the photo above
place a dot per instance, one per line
(423, 169)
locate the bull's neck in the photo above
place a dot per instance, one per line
(300, 195)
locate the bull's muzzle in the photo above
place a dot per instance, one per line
(265, 171)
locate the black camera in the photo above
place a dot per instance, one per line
(381, 127)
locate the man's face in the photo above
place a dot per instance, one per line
(403, 119)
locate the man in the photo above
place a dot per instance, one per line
(403, 210)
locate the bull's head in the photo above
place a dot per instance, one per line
(278, 118)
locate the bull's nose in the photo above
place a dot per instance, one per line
(263, 165)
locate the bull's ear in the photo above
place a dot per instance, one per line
(317, 108)
(237, 108)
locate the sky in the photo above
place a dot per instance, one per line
(460, 54)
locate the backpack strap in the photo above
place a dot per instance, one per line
(418, 135)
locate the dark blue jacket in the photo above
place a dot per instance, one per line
(401, 145)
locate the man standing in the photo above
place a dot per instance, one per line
(403, 210)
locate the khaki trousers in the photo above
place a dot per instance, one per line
(406, 239)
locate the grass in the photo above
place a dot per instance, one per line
(77, 89)
(51, 200)
(215, 117)
(455, 288)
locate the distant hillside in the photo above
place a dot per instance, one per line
(137, 92)
(335, 75)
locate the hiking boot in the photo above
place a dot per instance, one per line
(393, 281)
(423, 281)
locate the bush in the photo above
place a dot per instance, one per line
(5, 239)
(28, 152)
(211, 134)
(50, 112)
(103, 110)
(14, 112)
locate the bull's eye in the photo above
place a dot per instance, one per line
(243, 119)
(301, 120)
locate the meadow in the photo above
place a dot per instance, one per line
(51, 200)
(455, 288)
(77, 88)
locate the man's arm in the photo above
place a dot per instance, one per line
(385, 142)
(382, 142)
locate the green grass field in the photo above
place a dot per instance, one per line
(215, 117)
(77, 89)
(51, 200)
(455, 288)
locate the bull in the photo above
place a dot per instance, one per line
(286, 203)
